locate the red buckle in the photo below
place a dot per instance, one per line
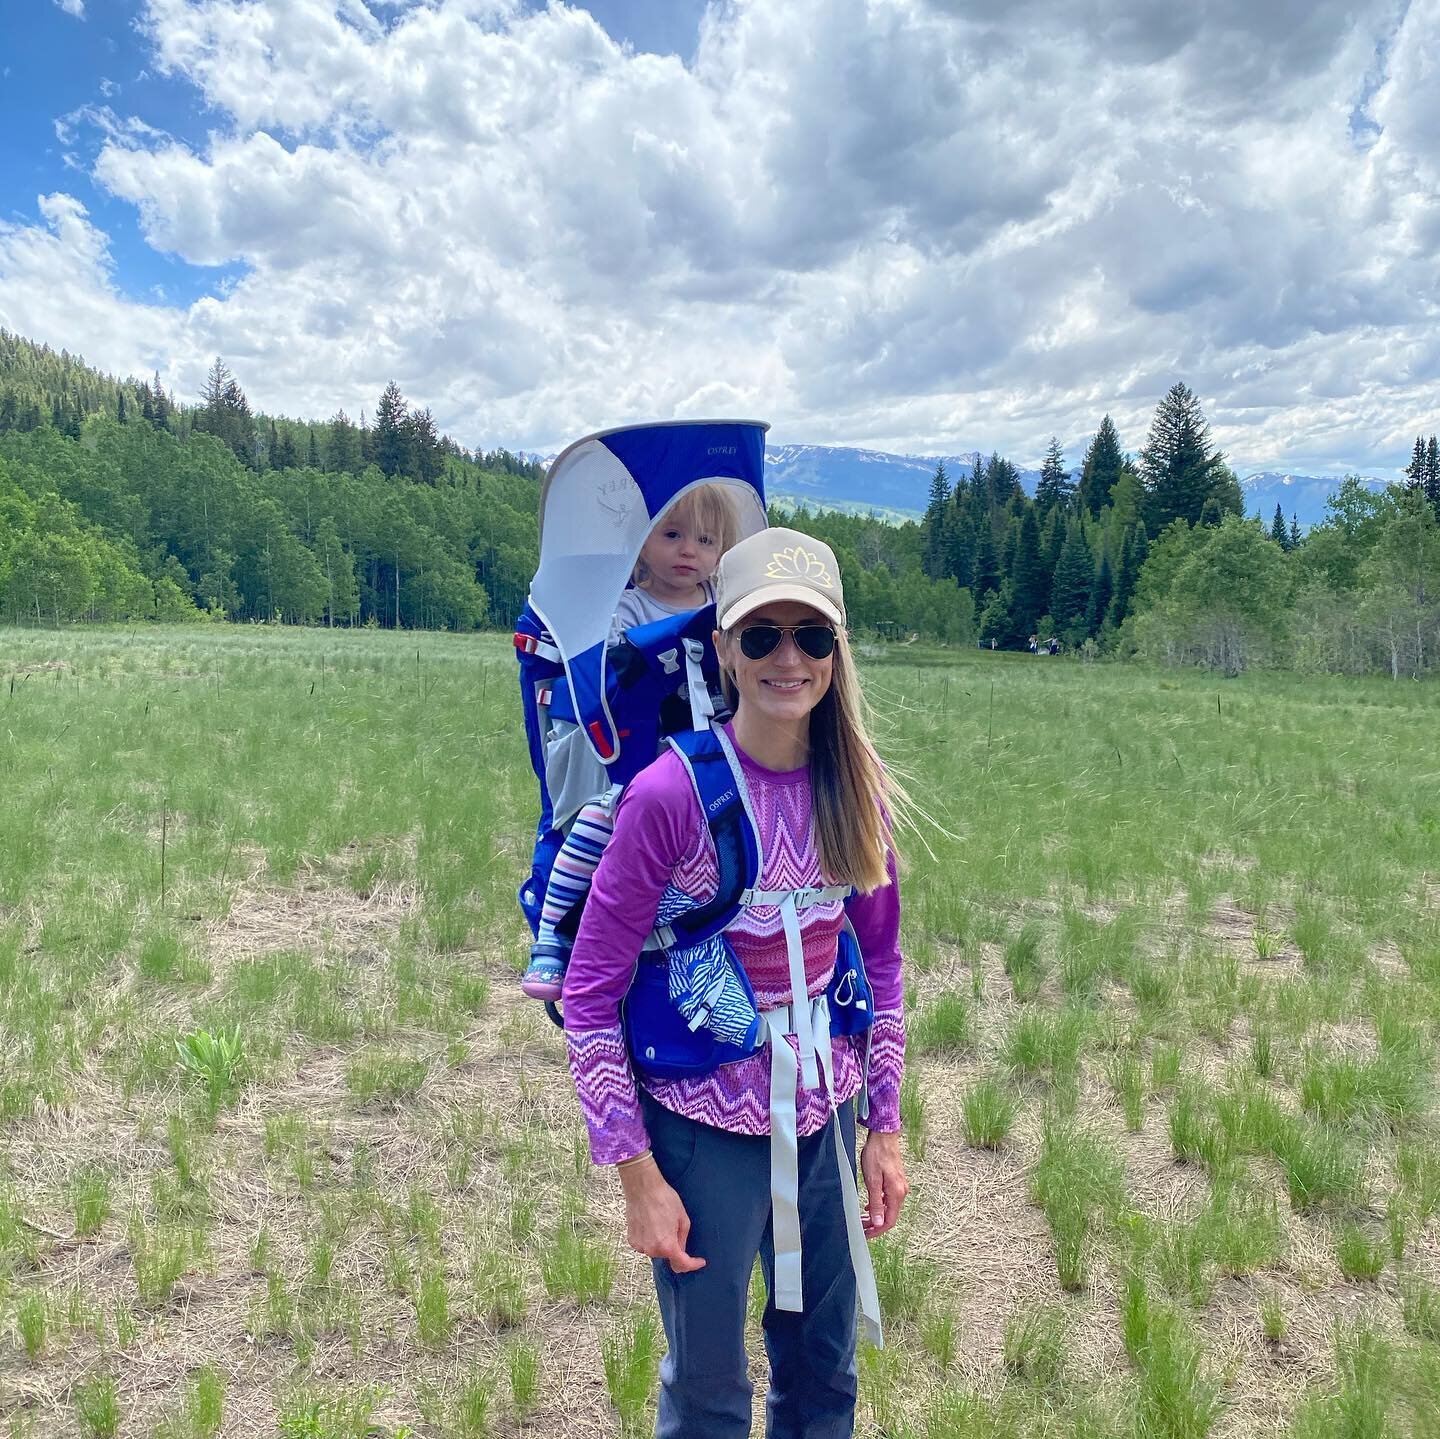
(603, 747)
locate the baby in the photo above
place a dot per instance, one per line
(672, 577)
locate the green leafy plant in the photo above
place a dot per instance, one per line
(217, 1060)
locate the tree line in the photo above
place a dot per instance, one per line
(1154, 557)
(118, 502)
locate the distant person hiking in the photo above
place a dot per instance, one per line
(722, 1077)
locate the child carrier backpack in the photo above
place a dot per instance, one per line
(593, 709)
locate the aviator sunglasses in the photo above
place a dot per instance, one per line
(816, 641)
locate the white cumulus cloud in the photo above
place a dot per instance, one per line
(917, 224)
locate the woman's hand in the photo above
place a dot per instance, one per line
(655, 1220)
(885, 1183)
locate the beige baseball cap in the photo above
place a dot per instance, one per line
(777, 564)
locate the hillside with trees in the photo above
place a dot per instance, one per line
(119, 501)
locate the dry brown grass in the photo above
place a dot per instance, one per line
(970, 1215)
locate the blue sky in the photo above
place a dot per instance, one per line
(905, 226)
(57, 65)
(60, 64)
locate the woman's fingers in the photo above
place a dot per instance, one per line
(885, 1183)
(681, 1261)
(659, 1227)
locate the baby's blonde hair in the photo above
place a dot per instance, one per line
(707, 510)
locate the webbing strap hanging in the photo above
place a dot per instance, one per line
(788, 1291)
(799, 992)
(854, 1229)
(784, 1165)
(702, 708)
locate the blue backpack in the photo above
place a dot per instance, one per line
(691, 1007)
(658, 678)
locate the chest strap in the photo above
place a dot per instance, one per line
(664, 937)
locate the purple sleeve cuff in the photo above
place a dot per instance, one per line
(609, 1099)
(887, 1069)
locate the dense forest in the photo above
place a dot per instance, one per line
(118, 501)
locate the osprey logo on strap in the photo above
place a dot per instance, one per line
(798, 563)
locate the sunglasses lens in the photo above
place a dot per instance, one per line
(757, 641)
(817, 641)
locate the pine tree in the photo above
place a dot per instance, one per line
(390, 437)
(287, 450)
(1101, 468)
(960, 558)
(1178, 464)
(985, 569)
(121, 413)
(1007, 545)
(1028, 576)
(935, 561)
(312, 458)
(1294, 532)
(161, 414)
(345, 451)
(427, 461)
(1054, 487)
(1101, 593)
(1278, 532)
(1133, 552)
(1432, 474)
(1073, 582)
(1052, 537)
(1415, 470)
(225, 413)
(272, 449)
(1004, 482)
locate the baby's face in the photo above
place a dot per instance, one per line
(679, 557)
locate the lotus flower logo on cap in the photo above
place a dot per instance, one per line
(777, 565)
(798, 563)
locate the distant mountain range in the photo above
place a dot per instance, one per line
(898, 486)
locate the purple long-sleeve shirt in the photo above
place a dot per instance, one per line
(661, 839)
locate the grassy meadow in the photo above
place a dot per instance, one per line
(285, 1151)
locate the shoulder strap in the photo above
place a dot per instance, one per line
(719, 785)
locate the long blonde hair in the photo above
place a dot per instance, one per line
(852, 797)
(706, 510)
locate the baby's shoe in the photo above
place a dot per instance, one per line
(546, 971)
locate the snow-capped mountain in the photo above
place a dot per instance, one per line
(851, 479)
(1302, 496)
(899, 485)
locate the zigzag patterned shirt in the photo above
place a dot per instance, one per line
(661, 840)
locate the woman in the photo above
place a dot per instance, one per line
(694, 1156)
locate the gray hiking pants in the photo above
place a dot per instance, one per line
(723, 1179)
